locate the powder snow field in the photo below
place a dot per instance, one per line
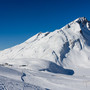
(58, 60)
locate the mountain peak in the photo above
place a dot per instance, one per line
(82, 20)
(77, 25)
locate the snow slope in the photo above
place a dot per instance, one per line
(55, 58)
(11, 79)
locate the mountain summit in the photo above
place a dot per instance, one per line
(67, 47)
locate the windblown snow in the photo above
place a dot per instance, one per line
(58, 60)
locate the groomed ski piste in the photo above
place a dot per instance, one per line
(58, 60)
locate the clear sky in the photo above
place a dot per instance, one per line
(21, 19)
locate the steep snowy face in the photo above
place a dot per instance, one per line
(68, 46)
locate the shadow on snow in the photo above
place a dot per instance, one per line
(54, 68)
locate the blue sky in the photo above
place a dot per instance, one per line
(21, 19)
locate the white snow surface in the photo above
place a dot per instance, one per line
(58, 60)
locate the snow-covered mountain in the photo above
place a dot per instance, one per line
(67, 46)
(64, 51)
